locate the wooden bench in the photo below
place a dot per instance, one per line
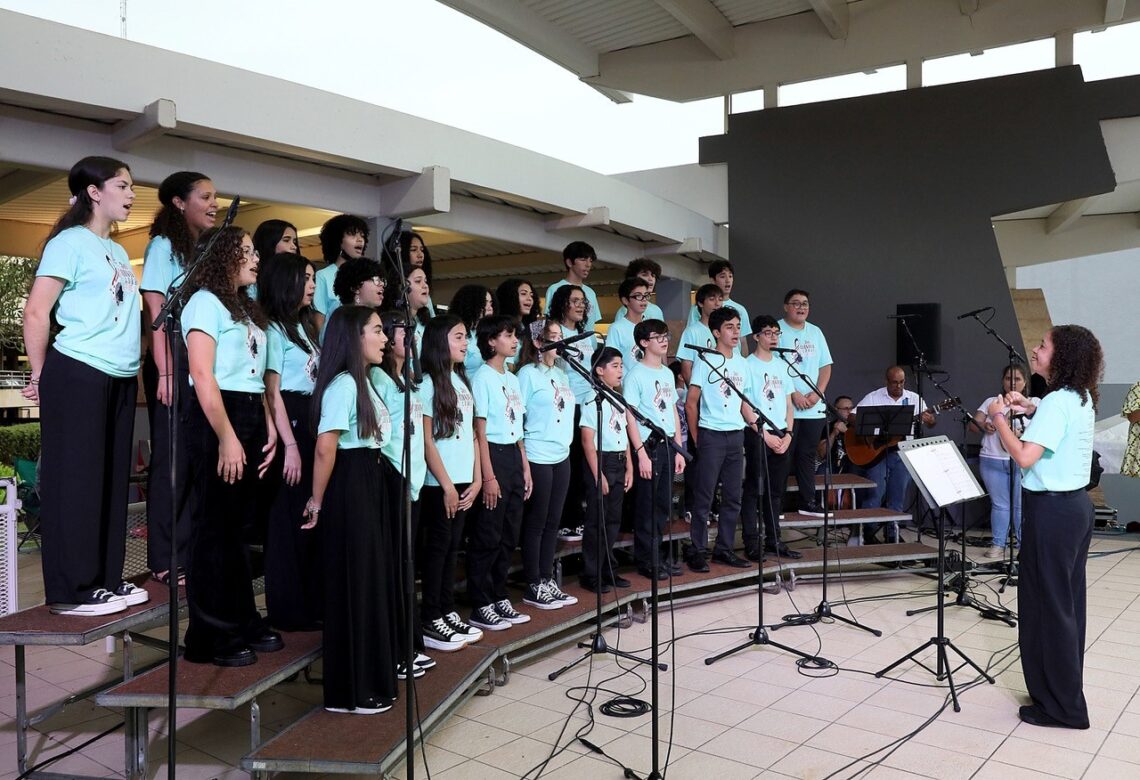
(209, 687)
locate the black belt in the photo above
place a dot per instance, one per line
(1054, 492)
(607, 454)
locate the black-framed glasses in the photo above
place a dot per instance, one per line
(639, 296)
(799, 304)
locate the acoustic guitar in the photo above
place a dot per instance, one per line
(865, 450)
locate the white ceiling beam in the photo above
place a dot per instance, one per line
(1114, 11)
(596, 216)
(21, 182)
(157, 119)
(428, 192)
(834, 15)
(703, 20)
(1067, 214)
(526, 26)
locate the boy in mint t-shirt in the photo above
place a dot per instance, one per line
(723, 275)
(634, 295)
(579, 258)
(717, 417)
(709, 299)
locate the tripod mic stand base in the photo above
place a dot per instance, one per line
(824, 612)
(942, 670)
(597, 646)
(757, 638)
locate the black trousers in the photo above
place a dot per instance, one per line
(219, 586)
(394, 496)
(721, 461)
(493, 534)
(360, 637)
(440, 539)
(573, 514)
(598, 537)
(541, 517)
(805, 440)
(86, 422)
(159, 527)
(763, 490)
(652, 509)
(1056, 532)
(294, 599)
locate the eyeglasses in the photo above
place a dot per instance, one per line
(249, 252)
(799, 304)
(844, 408)
(771, 333)
(660, 338)
(639, 296)
(378, 281)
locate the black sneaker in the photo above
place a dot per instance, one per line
(563, 598)
(423, 661)
(465, 630)
(591, 584)
(402, 674)
(439, 635)
(618, 581)
(132, 593)
(100, 602)
(537, 595)
(486, 617)
(508, 613)
(570, 534)
(812, 510)
(367, 707)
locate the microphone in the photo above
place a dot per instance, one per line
(231, 214)
(701, 350)
(904, 316)
(549, 345)
(783, 351)
(975, 311)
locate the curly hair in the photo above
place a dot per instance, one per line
(507, 298)
(170, 222)
(469, 302)
(216, 272)
(334, 231)
(559, 304)
(1077, 363)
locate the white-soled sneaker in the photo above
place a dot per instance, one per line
(402, 674)
(101, 602)
(569, 534)
(423, 661)
(132, 593)
(488, 617)
(439, 635)
(465, 630)
(537, 595)
(509, 613)
(563, 598)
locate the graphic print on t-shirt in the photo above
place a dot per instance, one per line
(123, 281)
(617, 418)
(311, 366)
(660, 397)
(771, 385)
(464, 407)
(254, 339)
(513, 406)
(563, 396)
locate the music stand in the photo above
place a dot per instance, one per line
(885, 421)
(944, 479)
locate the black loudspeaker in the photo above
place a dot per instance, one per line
(927, 331)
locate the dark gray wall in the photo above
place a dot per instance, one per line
(887, 199)
(1122, 493)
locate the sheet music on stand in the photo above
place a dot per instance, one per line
(939, 471)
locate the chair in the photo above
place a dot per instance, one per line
(27, 490)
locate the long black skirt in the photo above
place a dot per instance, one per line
(360, 575)
(294, 581)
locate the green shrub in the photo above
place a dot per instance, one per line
(19, 441)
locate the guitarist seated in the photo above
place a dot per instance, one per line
(892, 480)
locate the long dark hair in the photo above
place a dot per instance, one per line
(216, 271)
(559, 304)
(528, 352)
(341, 353)
(393, 321)
(507, 300)
(280, 289)
(268, 235)
(438, 367)
(422, 316)
(1077, 363)
(406, 249)
(468, 304)
(88, 171)
(170, 222)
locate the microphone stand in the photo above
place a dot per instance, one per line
(597, 644)
(392, 250)
(170, 319)
(1014, 357)
(920, 367)
(759, 636)
(823, 611)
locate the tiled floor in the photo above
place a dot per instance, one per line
(754, 714)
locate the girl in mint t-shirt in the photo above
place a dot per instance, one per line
(292, 555)
(350, 476)
(189, 205)
(231, 442)
(85, 385)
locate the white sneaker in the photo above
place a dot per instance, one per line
(132, 593)
(101, 602)
(439, 635)
(565, 599)
(465, 630)
(995, 551)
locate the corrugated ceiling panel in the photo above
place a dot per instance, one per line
(746, 11)
(608, 25)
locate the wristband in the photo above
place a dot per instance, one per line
(294, 444)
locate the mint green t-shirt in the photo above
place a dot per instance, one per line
(338, 413)
(393, 448)
(620, 337)
(98, 308)
(498, 400)
(240, 348)
(297, 368)
(474, 358)
(160, 268)
(720, 406)
(549, 418)
(770, 388)
(593, 316)
(812, 354)
(457, 451)
(695, 333)
(745, 322)
(652, 312)
(1064, 427)
(587, 346)
(653, 393)
(615, 437)
(324, 299)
